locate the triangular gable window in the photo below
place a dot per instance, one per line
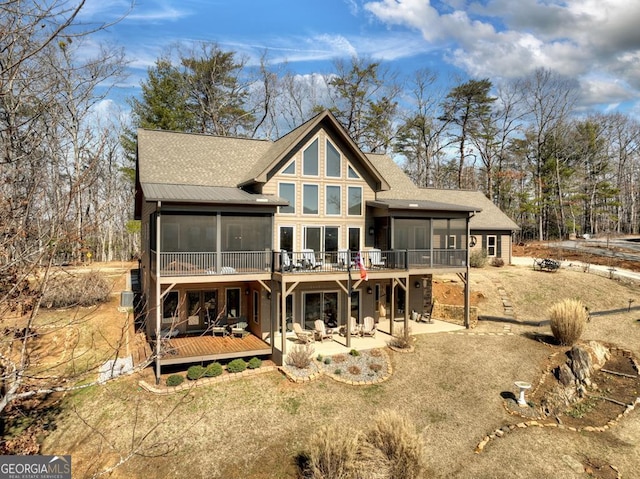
(290, 170)
(352, 173)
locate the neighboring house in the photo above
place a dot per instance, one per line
(243, 238)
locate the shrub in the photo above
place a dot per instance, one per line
(354, 352)
(300, 356)
(399, 443)
(375, 353)
(568, 318)
(477, 259)
(327, 360)
(391, 448)
(338, 372)
(237, 366)
(401, 340)
(254, 363)
(375, 367)
(82, 290)
(195, 372)
(213, 370)
(340, 358)
(175, 380)
(354, 370)
(332, 453)
(497, 262)
(319, 358)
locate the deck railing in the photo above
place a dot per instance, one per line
(299, 262)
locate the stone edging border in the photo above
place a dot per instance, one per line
(500, 432)
(188, 384)
(340, 379)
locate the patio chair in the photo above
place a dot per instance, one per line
(285, 261)
(369, 327)
(303, 335)
(376, 260)
(321, 332)
(354, 328)
(309, 259)
(344, 261)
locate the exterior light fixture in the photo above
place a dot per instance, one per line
(369, 290)
(371, 231)
(417, 284)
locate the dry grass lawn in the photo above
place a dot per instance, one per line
(450, 387)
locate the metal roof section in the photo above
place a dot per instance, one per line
(420, 205)
(207, 194)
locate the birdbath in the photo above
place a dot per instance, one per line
(523, 386)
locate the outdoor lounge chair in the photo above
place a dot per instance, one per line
(369, 327)
(344, 261)
(354, 328)
(309, 259)
(285, 262)
(303, 335)
(321, 332)
(375, 258)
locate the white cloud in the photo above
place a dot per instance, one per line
(504, 38)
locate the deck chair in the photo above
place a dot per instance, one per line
(309, 259)
(343, 258)
(354, 328)
(375, 258)
(303, 335)
(321, 332)
(369, 327)
(285, 261)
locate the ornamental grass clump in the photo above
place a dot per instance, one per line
(175, 380)
(401, 339)
(389, 448)
(568, 318)
(300, 356)
(213, 370)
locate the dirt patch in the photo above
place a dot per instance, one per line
(452, 292)
(543, 250)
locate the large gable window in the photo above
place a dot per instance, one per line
(333, 165)
(351, 173)
(310, 160)
(288, 192)
(355, 201)
(310, 199)
(332, 197)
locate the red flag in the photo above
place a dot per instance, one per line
(363, 270)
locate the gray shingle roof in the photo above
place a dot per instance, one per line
(402, 188)
(207, 194)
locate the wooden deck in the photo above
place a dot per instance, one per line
(193, 349)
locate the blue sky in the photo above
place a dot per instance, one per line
(596, 42)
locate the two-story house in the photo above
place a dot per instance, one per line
(248, 237)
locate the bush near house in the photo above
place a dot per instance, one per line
(195, 372)
(478, 259)
(254, 363)
(237, 366)
(300, 356)
(213, 370)
(175, 380)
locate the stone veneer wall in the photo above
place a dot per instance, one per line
(455, 314)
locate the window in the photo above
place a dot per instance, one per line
(233, 302)
(355, 201)
(288, 313)
(322, 306)
(288, 192)
(312, 238)
(322, 238)
(310, 160)
(352, 173)
(452, 241)
(310, 199)
(286, 238)
(492, 246)
(354, 239)
(170, 308)
(290, 170)
(333, 165)
(332, 199)
(256, 307)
